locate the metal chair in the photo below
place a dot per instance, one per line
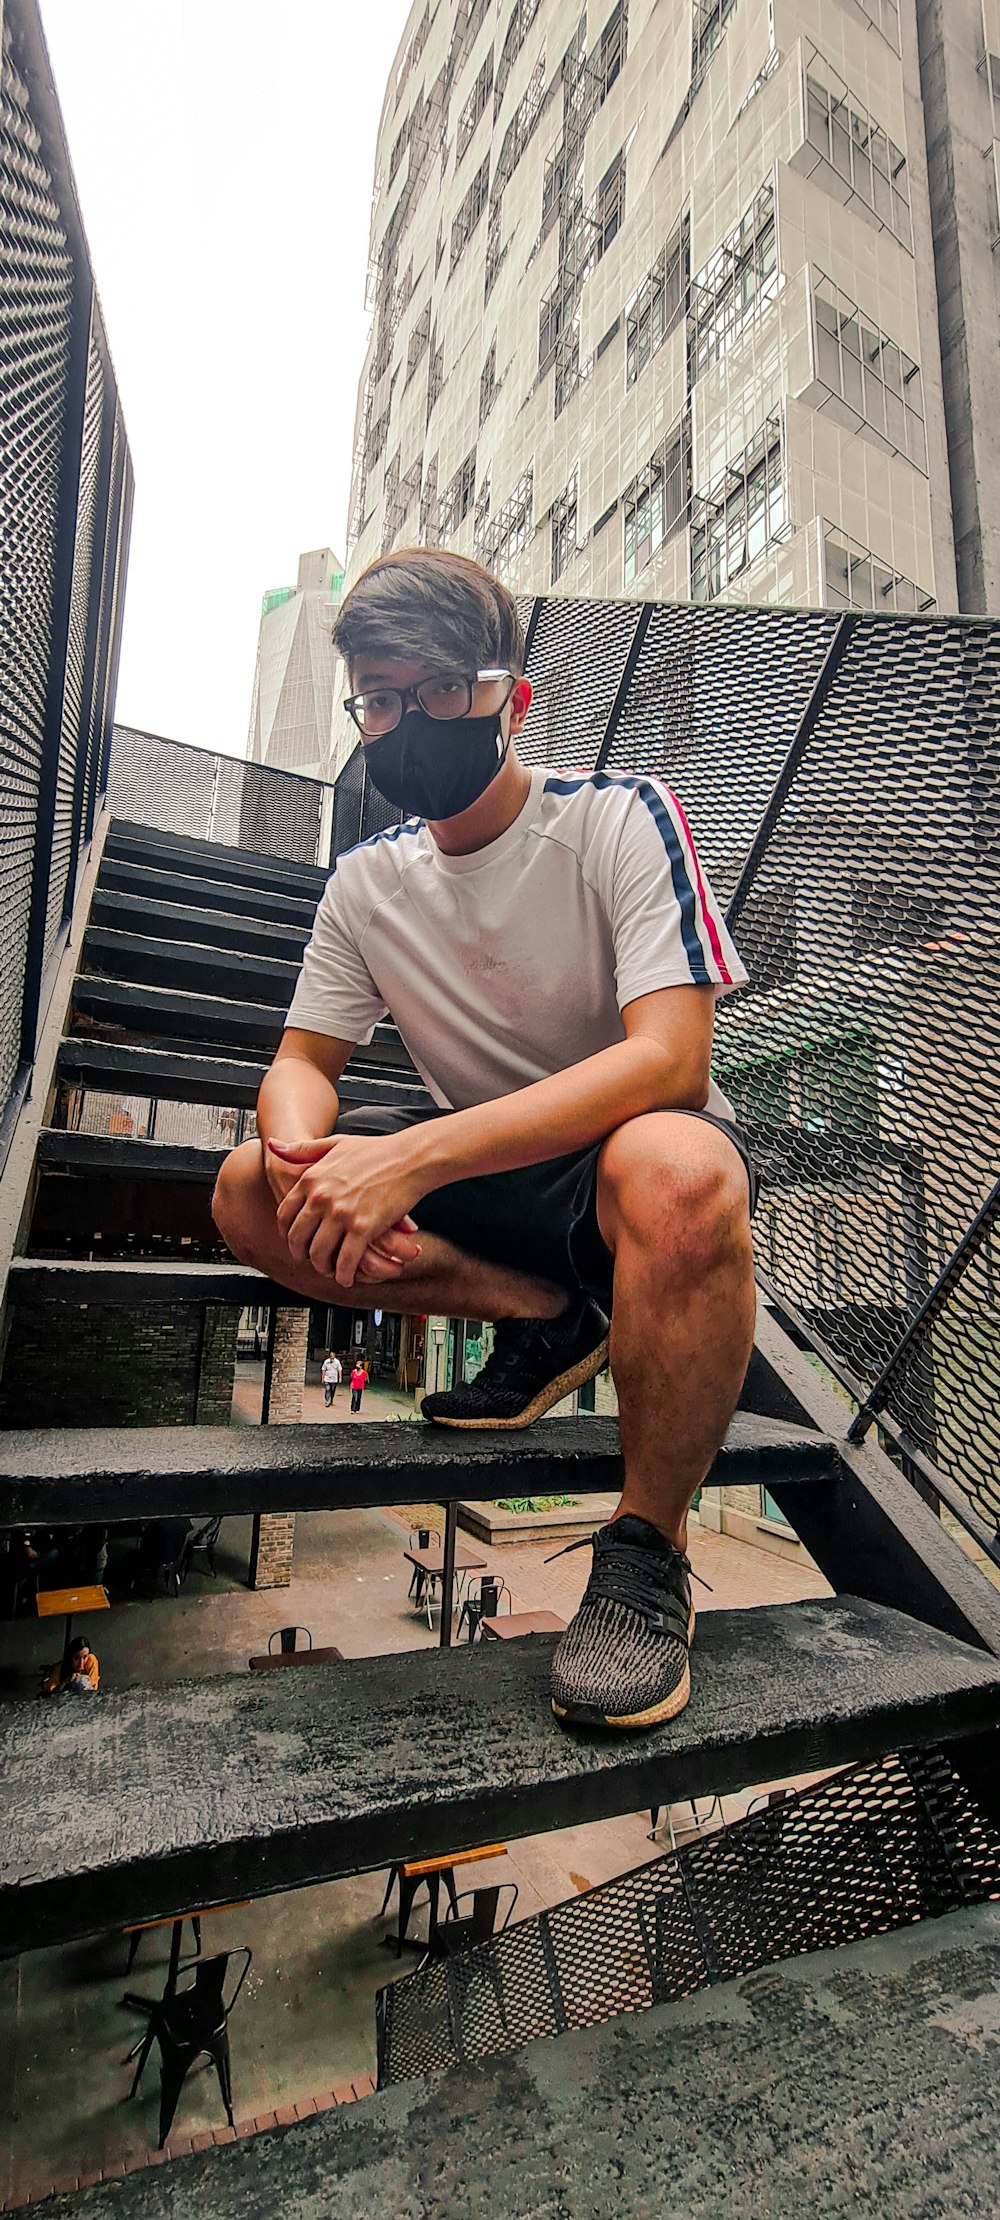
(485, 1605)
(459, 1931)
(288, 1638)
(189, 2024)
(699, 1819)
(206, 1540)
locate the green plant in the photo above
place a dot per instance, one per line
(533, 1502)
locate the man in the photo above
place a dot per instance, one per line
(78, 1673)
(551, 954)
(331, 1373)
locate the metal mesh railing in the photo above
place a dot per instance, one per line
(177, 789)
(841, 776)
(863, 1853)
(63, 544)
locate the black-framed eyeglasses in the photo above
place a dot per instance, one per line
(445, 696)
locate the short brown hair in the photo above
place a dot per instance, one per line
(426, 602)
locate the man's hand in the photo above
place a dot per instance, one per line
(346, 1211)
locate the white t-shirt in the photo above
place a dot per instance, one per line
(330, 1372)
(505, 966)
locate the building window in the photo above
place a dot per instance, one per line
(488, 387)
(519, 24)
(857, 149)
(867, 371)
(430, 516)
(738, 519)
(563, 520)
(520, 128)
(502, 537)
(570, 372)
(710, 19)
(459, 496)
(612, 49)
(854, 578)
(474, 107)
(659, 303)
(494, 251)
(656, 503)
(469, 213)
(609, 208)
(740, 279)
(419, 338)
(376, 439)
(885, 16)
(435, 375)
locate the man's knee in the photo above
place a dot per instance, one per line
(240, 1199)
(677, 1185)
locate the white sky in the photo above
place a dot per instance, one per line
(224, 152)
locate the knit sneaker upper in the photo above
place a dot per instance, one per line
(625, 1654)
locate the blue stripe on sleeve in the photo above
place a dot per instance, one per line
(684, 892)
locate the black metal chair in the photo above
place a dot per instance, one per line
(190, 2024)
(206, 1540)
(288, 1638)
(459, 1931)
(485, 1605)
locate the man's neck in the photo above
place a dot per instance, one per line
(493, 814)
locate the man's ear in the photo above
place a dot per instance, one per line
(520, 703)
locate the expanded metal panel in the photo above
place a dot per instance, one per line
(714, 704)
(36, 296)
(177, 789)
(75, 733)
(575, 665)
(867, 1045)
(864, 1852)
(348, 795)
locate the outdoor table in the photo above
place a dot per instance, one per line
(412, 1871)
(51, 1601)
(176, 1924)
(506, 1629)
(429, 1564)
(277, 1662)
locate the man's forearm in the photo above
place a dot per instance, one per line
(572, 1110)
(296, 1102)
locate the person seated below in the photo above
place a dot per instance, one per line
(78, 1672)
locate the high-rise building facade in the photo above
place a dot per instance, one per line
(654, 303)
(293, 686)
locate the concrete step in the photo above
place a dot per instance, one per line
(162, 1800)
(154, 962)
(137, 1281)
(158, 884)
(128, 843)
(874, 2061)
(112, 1067)
(205, 928)
(64, 1476)
(165, 1013)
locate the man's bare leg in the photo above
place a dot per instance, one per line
(673, 1207)
(444, 1279)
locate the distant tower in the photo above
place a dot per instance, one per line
(293, 681)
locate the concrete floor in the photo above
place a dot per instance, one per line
(305, 2023)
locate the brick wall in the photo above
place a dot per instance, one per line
(73, 1364)
(273, 1540)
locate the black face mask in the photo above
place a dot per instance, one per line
(431, 769)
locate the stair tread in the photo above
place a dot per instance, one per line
(110, 952)
(870, 2067)
(155, 882)
(53, 1475)
(118, 1067)
(190, 926)
(216, 1020)
(197, 1792)
(152, 842)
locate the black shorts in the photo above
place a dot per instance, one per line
(540, 1219)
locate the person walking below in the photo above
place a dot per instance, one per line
(331, 1373)
(359, 1382)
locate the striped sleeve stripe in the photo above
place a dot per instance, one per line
(708, 916)
(686, 878)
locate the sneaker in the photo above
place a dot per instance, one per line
(623, 1660)
(534, 1362)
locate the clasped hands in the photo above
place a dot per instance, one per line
(344, 1205)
